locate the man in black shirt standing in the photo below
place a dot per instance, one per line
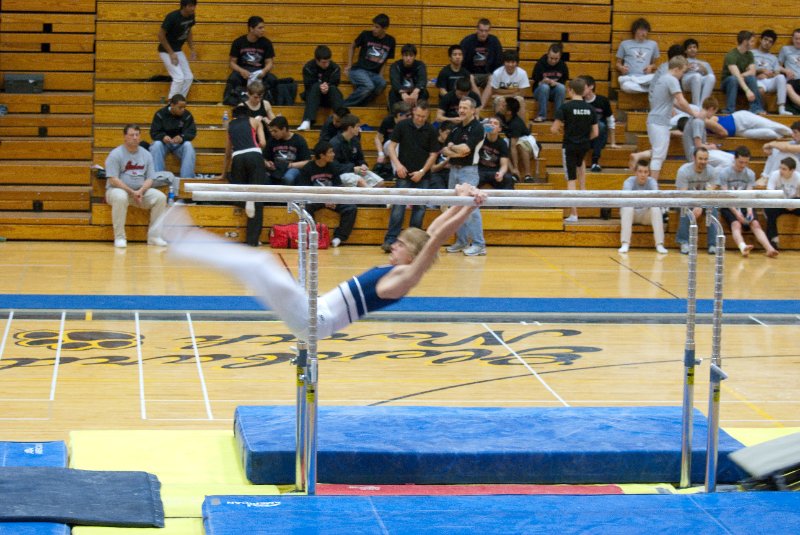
(251, 60)
(483, 53)
(416, 142)
(176, 29)
(579, 123)
(321, 77)
(461, 150)
(375, 48)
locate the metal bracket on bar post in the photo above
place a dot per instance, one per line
(689, 360)
(716, 374)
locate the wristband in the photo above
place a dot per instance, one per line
(381, 153)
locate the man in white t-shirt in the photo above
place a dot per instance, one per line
(739, 176)
(789, 57)
(508, 80)
(699, 78)
(694, 176)
(641, 181)
(786, 178)
(636, 59)
(130, 173)
(769, 77)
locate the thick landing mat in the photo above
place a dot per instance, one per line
(455, 445)
(33, 454)
(47, 494)
(736, 513)
(189, 464)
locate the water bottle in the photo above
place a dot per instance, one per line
(171, 195)
(225, 119)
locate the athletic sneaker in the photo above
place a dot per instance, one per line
(155, 240)
(120, 243)
(712, 250)
(305, 125)
(624, 248)
(386, 247)
(250, 209)
(571, 219)
(336, 242)
(596, 168)
(684, 248)
(457, 247)
(660, 249)
(475, 250)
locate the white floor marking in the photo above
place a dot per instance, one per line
(58, 356)
(5, 334)
(199, 368)
(142, 404)
(538, 377)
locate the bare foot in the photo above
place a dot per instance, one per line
(772, 253)
(746, 251)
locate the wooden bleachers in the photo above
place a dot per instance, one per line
(98, 55)
(46, 138)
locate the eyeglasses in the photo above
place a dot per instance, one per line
(256, 96)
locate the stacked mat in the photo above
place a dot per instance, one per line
(40, 495)
(189, 464)
(480, 445)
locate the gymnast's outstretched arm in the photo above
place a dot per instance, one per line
(400, 280)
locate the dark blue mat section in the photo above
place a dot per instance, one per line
(33, 454)
(33, 528)
(736, 513)
(82, 497)
(458, 445)
(408, 304)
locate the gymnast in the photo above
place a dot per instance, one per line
(411, 256)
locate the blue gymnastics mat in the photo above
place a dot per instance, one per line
(33, 454)
(457, 445)
(731, 513)
(33, 528)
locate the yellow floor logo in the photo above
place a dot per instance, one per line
(77, 339)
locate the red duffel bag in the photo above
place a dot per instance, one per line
(285, 236)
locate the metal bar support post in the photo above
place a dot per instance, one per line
(716, 373)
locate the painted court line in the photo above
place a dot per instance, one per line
(538, 377)
(757, 321)
(58, 356)
(199, 367)
(142, 405)
(5, 334)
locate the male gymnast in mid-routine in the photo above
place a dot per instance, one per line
(412, 255)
